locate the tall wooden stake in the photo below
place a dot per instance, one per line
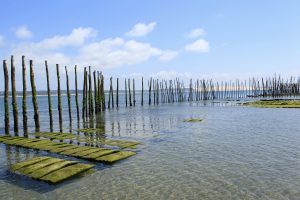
(24, 100)
(49, 97)
(34, 99)
(6, 93)
(59, 99)
(14, 97)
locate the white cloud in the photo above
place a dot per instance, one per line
(23, 32)
(141, 29)
(199, 46)
(168, 55)
(198, 32)
(169, 75)
(77, 37)
(76, 48)
(1, 40)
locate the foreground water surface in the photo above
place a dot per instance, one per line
(236, 152)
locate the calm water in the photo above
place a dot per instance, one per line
(235, 153)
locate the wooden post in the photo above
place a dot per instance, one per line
(130, 103)
(142, 101)
(34, 99)
(83, 96)
(59, 99)
(24, 101)
(49, 97)
(149, 85)
(14, 97)
(69, 97)
(76, 94)
(117, 100)
(6, 93)
(91, 105)
(125, 92)
(133, 93)
(112, 93)
(95, 92)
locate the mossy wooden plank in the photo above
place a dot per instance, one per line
(44, 163)
(51, 168)
(28, 162)
(116, 156)
(99, 154)
(86, 152)
(91, 130)
(45, 146)
(32, 144)
(66, 172)
(121, 143)
(73, 151)
(61, 149)
(274, 104)
(192, 120)
(48, 148)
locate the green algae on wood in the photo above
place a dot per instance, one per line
(99, 154)
(274, 104)
(192, 120)
(91, 130)
(116, 156)
(39, 165)
(51, 168)
(66, 172)
(28, 162)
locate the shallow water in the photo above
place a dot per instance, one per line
(234, 153)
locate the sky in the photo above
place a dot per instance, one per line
(211, 39)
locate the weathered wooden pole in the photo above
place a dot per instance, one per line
(86, 96)
(24, 100)
(6, 93)
(142, 100)
(76, 95)
(49, 97)
(95, 92)
(83, 96)
(59, 99)
(130, 103)
(133, 92)
(109, 96)
(117, 98)
(14, 96)
(126, 92)
(34, 99)
(91, 104)
(112, 93)
(69, 97)
(102, 91)
(149, 85)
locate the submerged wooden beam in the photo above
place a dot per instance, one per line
(52, 170)
(90, 153)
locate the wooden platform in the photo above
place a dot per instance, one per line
(52, 170)
(90, 153)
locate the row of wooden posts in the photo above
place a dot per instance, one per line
(159, 91)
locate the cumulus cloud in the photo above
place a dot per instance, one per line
(23, 32)
(169, 75)
(168, 55)
(198, 32)
(199, 46)
(141, 29)
(106, 53)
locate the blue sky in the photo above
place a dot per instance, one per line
(221, 40)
